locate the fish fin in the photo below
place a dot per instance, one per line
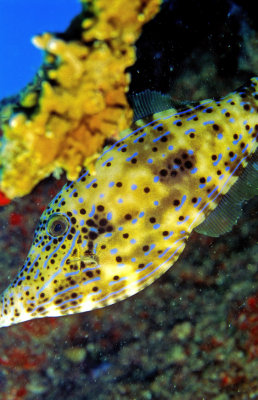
(149, 102)
(222, 219)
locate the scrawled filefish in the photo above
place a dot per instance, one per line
(108, 235)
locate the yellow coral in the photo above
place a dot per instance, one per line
(77, 99)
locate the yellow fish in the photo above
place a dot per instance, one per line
(106, 236)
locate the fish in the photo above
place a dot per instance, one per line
(107, 235)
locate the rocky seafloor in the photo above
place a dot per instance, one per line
(193, 333)
(190, 335)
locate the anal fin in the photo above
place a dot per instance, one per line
(226, 214)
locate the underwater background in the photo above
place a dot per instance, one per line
(193, 333)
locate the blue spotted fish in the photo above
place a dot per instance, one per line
(108, 235)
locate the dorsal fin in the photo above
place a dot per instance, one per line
(149, 102)
(222, 219)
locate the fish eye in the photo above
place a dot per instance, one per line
(57, 225)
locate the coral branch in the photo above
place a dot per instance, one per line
(77, 98)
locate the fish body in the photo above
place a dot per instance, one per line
(106, 236)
